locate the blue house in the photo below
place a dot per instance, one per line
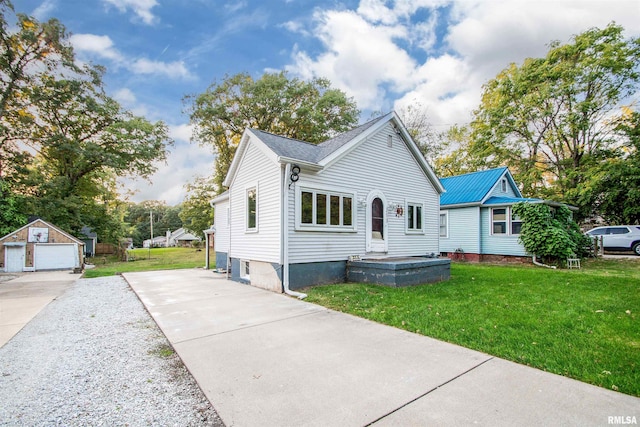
(476, 218)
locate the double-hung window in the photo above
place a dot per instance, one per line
(499, 220)
(444, 226)
(516, 223)
(415, 217)
(252, 209)
(504, 222)
(328, 210)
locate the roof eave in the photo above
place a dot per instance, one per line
(311, 166)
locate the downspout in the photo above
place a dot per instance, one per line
(284, 228)
(539, 264)
(229, 226)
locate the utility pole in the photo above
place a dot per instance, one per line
(151, 224)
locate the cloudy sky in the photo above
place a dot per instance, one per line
(385, 54)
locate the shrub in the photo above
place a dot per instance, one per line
(550, 235)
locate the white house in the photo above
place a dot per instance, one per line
(180, 238)
(476, 218)
(296, 212)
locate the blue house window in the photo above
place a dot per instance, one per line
(504, 222)
(499, 220)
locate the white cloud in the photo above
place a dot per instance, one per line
(184, 163)
(43, 11)
(181, 132)
(174, 70)
(141, 8)
(366, 51)
(359, 57)
(125, 96)
(103, 47)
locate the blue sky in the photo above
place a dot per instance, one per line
(385, 54)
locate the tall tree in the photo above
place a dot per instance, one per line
(310, 111)
(613, 192)
(197, 213)
(71, 139)
(550, 118)
(27, 54)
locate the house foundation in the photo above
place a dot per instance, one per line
(399, 272)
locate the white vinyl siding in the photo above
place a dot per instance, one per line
(372, 165)
(259, 171)
(221, 222)
(501, 244)
(464, 230)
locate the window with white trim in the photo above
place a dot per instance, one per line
(504, 222)
(503, 185)
(252, 209)
(444, 226)
(516, 224)
(415, 217)
(499, 220)
(325, 210)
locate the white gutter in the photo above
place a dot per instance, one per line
(284, 214)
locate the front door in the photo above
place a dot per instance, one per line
(377, 239)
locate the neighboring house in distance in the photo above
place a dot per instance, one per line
(90, 239)
(295, 212)
(40, 246)
(158, 242)
(180, 238)
(476, 218)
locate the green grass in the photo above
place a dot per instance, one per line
(147, 260)
(582, 324)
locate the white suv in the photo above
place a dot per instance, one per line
(619, 237)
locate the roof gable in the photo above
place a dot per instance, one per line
(475, 187)
(46, 224)
(323, 155)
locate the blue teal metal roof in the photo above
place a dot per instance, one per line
(469, 188)
(508, 200)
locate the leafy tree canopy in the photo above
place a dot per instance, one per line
(64, 142)
(309, 111)
(552, 120)
(197, 213)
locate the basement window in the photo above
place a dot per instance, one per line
(244, 270)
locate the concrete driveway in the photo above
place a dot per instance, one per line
(265, 359)
(22, 297)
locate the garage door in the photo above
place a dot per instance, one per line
(56, 256)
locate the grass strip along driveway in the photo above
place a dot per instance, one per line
(582, 324)
(148, 260)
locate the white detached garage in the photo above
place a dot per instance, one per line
(40, 246)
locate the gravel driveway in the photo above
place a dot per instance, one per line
(95, 357)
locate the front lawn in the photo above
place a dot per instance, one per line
(582, 324)
(147, 260)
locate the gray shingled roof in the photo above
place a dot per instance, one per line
(305, 151)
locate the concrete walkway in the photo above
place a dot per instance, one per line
(265, 359)
(22, 298)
